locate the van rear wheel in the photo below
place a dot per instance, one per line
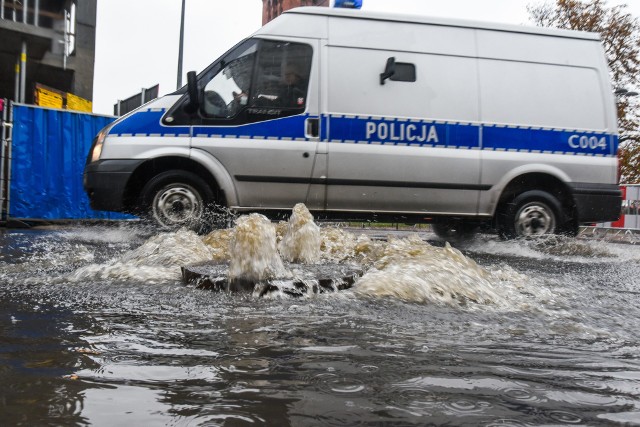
(532, 213)
(176, 199)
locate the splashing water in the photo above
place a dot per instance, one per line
(253, 252)
(567, 246)
(554, 247)
(218, 241)
(408, 269)
(414, 271)
(338, 245)
(156, 260)
(301, 242)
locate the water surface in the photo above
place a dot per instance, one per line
(97, 328)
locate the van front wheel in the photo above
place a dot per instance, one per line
(176, 199)
(532, 213)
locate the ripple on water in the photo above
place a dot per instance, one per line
(521, 394)
(369, 368)
(565, 417)
(337, 384)
(461, 407)
(613, 386)
(416, 401)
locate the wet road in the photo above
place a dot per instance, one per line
(97, 328)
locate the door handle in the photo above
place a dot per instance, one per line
(312, 127)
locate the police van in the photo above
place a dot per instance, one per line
(364, 115)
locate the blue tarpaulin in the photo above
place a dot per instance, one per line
(49, 151)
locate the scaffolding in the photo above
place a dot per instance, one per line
(34, 34)
(6, 134)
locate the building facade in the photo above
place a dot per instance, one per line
(273, 8)
(47, 44)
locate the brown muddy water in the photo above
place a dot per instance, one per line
(97, 328)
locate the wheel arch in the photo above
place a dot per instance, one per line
(154, 166)
(539, 180)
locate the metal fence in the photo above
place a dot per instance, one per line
(135, 101)
(6, 127)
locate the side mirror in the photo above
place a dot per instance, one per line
(192, 91)
(389, 70)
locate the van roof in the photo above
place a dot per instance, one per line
(450, 22)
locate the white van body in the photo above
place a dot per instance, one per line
(472, 123)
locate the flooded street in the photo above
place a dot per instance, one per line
(98, 328)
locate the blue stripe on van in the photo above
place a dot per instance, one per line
(425, 133)
(147, 122)
(392, 131)
(553, 141)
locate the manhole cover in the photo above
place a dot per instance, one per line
(307, 278)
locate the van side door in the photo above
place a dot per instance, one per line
(409, 143)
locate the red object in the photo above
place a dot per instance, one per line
(620, 222)
(1, 104)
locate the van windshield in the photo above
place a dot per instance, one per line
(227, 91)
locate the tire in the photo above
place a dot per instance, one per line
(454, 231)
(175, 199)
(532, 213)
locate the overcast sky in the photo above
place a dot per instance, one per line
(137, 40)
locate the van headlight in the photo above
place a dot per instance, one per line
(96, 150)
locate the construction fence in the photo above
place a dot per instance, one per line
(44, 151)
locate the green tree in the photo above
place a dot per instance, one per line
(620, 33)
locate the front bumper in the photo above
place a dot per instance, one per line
(597, 202)
(105, 183)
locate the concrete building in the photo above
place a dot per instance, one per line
(47, 42)
(273, 8)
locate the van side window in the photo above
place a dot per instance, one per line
(268, 80)
(282, 76)
(405, 72)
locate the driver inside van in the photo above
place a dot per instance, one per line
(293, 90)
